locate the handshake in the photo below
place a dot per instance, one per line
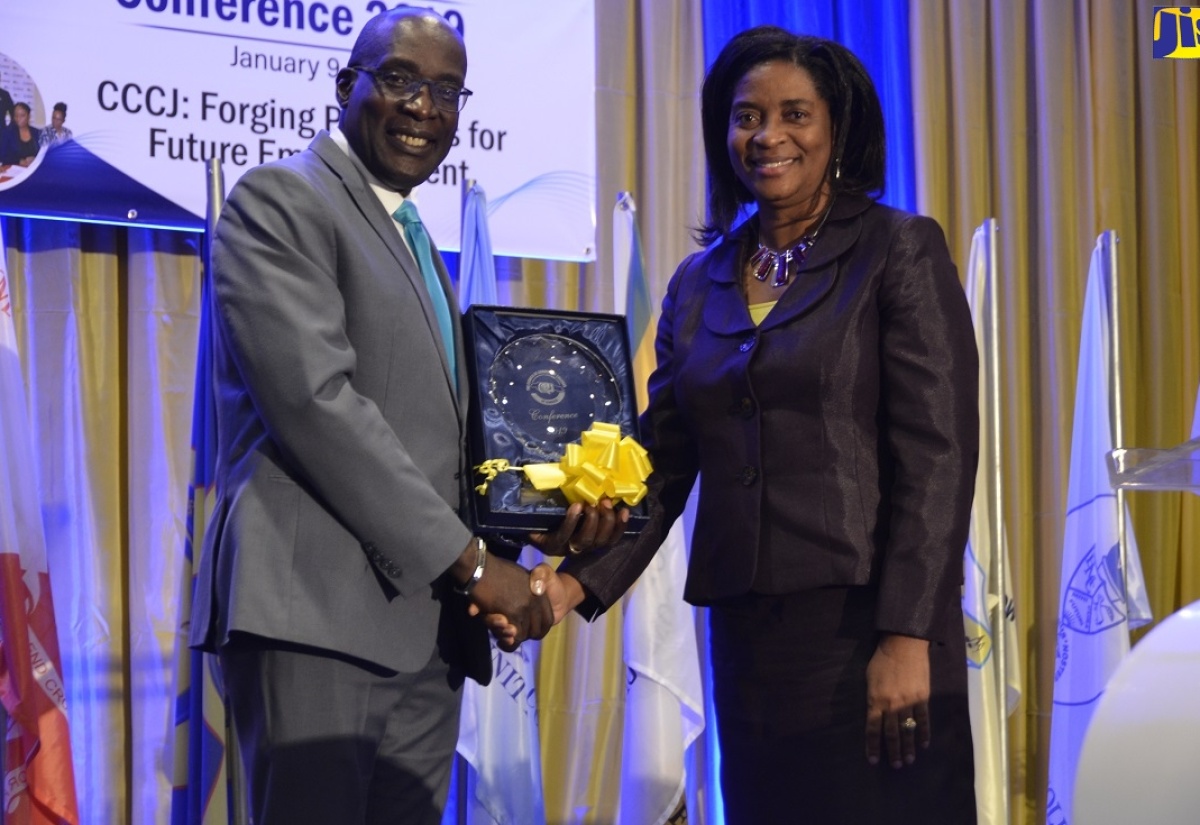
(519, 604)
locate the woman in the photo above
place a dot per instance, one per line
(817, 370)
(19, 142)
(57, 132)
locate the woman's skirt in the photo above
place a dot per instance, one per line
(790, 689)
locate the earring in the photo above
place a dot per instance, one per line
(837, 168)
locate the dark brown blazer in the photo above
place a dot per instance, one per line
(836, 443)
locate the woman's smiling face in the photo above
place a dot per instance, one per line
(780, 136)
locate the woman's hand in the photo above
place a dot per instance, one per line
(584, 527)
(898, 699)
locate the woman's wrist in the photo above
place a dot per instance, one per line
(897, 644)
(575, 594)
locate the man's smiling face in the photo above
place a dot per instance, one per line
(403, 142)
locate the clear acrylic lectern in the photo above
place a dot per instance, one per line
(1146, 727)
(1147, 469)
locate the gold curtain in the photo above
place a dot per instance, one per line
(1055, 119)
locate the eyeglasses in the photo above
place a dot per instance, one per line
(401, 87)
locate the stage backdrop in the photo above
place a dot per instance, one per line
(167, 84)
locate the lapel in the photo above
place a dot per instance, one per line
(725, 312)
(384, 226)
(815, 280)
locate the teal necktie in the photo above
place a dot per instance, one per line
(422, 250)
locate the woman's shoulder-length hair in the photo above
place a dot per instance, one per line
(857, 162)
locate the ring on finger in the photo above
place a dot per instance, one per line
(909, 724)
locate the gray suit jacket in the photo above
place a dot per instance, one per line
(341, 433)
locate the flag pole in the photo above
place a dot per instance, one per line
(216, 198)
(999, 561)
(1116, 396)
(467, 183)
(620, 253)
(235, 780)
(3, 712)
(461, 767)
(464, 193)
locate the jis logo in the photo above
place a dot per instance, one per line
(1177, 32)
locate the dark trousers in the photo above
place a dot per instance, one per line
(327, 739)
(790, 689)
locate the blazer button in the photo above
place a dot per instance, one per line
(749, 475)
(747, 344)
(743, 408)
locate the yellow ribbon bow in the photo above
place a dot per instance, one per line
(601, 464)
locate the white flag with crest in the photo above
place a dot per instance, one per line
(1095, 615)
(498, 737)
(498, 732)
(987, 603)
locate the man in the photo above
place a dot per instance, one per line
(336, 573)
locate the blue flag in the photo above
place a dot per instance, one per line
(477, 267)
(200, 794)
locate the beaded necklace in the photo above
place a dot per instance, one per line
(781, 265)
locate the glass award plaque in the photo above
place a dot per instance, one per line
(539, 380)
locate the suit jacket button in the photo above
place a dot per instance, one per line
(747, 344)
(749, 475)
(743, 408)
